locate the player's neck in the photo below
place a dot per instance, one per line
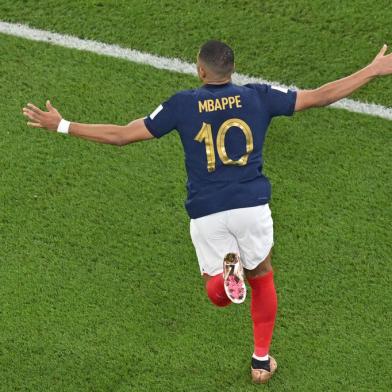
(217, 81)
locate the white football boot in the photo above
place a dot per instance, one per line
(234, 279)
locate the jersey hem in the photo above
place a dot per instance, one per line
(194, 215)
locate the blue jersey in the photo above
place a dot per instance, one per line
(222, 129)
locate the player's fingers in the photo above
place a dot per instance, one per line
(49, 106)
(382, 50)
(34, 108)
(30, 114)
(34, 124)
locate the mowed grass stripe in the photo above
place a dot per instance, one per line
(296, 42)
(171, 64)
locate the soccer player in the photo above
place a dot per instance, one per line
(222, 128)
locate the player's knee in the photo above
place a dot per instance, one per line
(216, 293)
(263, 268)
(218, 300)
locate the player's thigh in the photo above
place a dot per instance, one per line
(253, 230)
(212, 241)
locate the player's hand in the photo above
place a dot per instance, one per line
(382, 64)
(40, 119)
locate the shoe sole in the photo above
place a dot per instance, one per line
(231, 260)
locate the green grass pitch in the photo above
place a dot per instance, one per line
(99, 283)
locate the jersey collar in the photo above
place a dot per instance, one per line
(211, 86)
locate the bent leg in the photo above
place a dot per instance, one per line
(263, 305)
(212, 241)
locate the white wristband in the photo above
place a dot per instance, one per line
(63, 126)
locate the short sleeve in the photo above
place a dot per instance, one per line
(163, 119)
(280, 101)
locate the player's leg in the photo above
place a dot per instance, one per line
(263, 268)
(263, 311)
(253, 228)
(263, 306)
(212, 242)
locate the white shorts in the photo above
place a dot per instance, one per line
(246, 231)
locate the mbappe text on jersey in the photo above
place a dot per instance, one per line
(211, 105)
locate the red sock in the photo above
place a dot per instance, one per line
(216, 291)
(263, 309)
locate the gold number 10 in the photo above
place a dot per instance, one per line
(205, 135)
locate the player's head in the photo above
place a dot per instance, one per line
(215, 61)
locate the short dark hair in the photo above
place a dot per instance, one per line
(217, 56)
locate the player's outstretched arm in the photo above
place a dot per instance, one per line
(332, 92)
(118, 135)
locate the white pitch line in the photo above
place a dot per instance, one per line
(170, 64)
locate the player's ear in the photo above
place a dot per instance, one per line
(198, 70)
(201, 72)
